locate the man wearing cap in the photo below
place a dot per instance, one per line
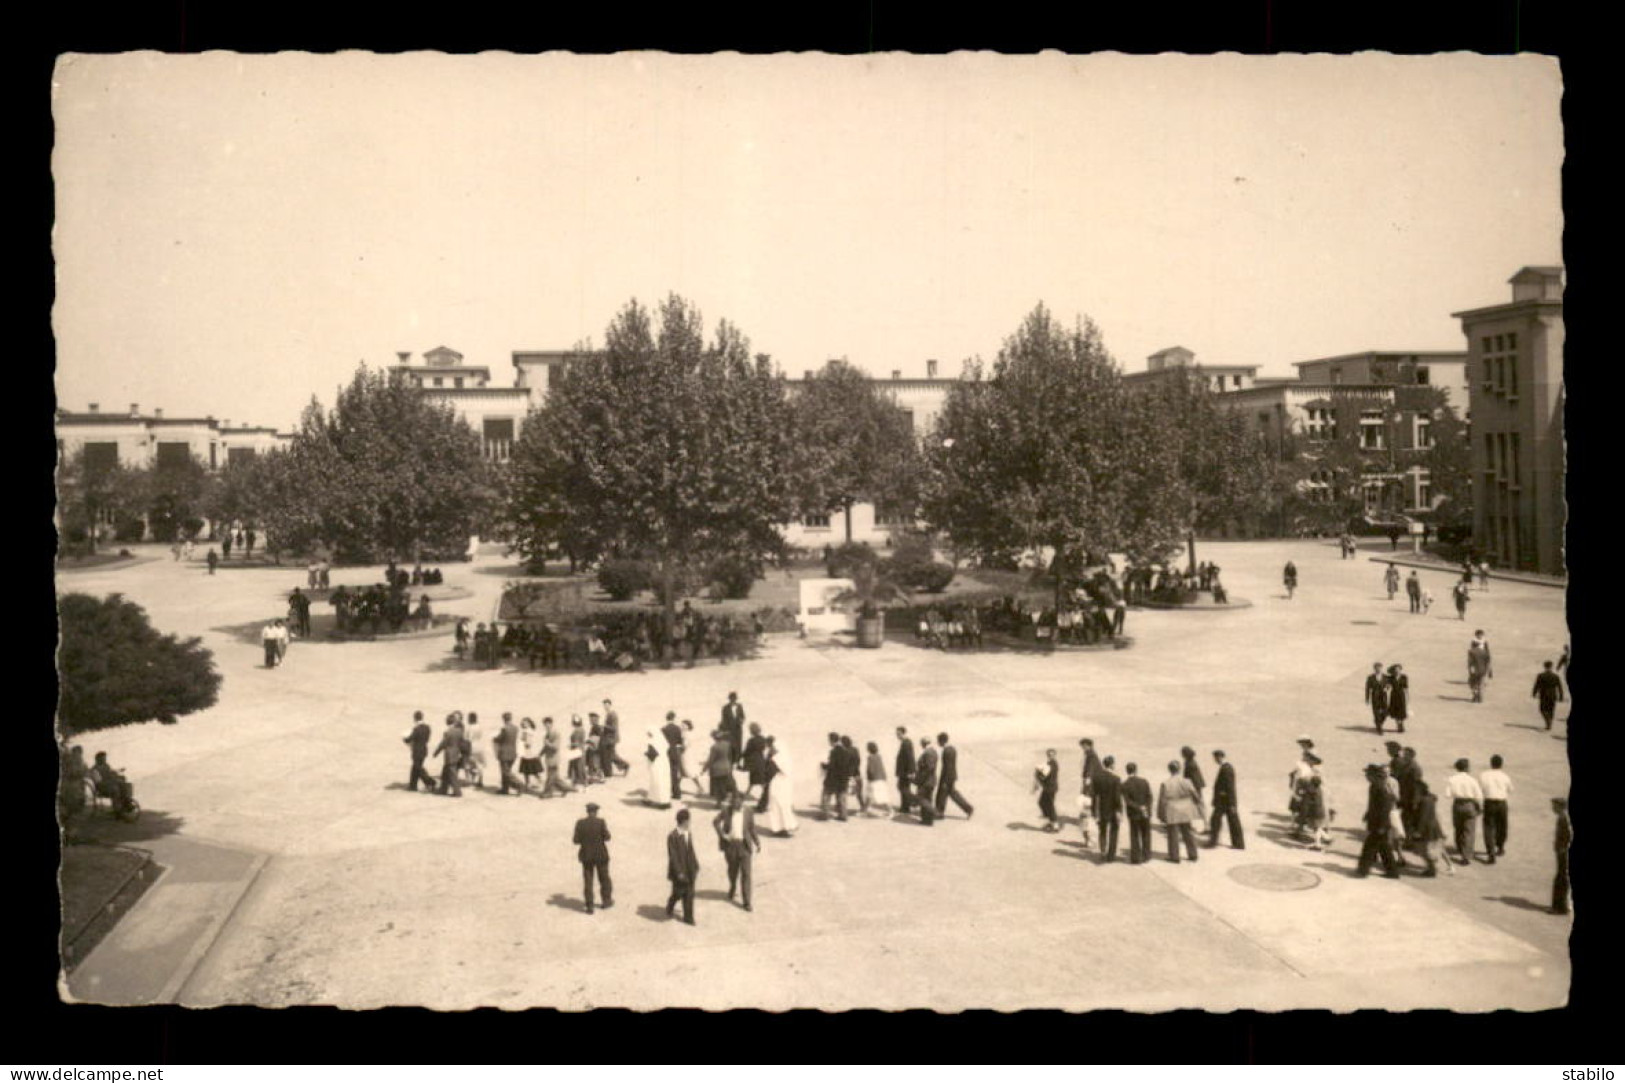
(1466, 803)
(1379, 843)
(682, 868)
(1225, 804)
(592, 836)
(1565, 835)
(1376, 694)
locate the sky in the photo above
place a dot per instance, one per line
(235, 233)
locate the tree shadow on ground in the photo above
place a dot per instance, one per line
(567, 902)
(1518, 903)
(100, 826)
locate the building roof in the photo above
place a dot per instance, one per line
(1403, 355)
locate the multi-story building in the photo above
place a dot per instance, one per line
(1516, 395)
(138, 440)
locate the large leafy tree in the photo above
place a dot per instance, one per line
(661, 447)
(385, 473)
(90, 495)
(858, 445)
(113, 667)
(175, 494)
(1051, 452)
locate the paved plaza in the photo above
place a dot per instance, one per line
(301, 871)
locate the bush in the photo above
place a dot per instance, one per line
(932, 579)
(115, 668)
(846, 558)
(733, 577)
(129, 528)
(621, 579)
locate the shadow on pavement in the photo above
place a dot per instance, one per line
(1517, 902)
(567, 902)
(1524, 726)
(1019, 825)
(1346, 871)
(101, 827)
(651, 912)
(1456, 699)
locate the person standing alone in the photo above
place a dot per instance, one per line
(1478, 665)
(592, 841)
(682, 868)
(1046, 780)
(1413, 590)
(1225, 805)
(1549, 691)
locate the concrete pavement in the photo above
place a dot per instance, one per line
(351, 890)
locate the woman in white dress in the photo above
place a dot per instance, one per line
(781, 816)
(657, 791)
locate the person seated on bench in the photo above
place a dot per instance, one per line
(112, 784)
(423, 616)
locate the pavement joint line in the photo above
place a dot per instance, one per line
(1222, 920)
(200, 949)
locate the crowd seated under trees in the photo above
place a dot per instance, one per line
(624, 641)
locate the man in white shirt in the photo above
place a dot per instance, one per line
(1497, 787)
(1466, 802)
(268, 639)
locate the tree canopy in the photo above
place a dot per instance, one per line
(858, 445)
(661, 447)
(114, 667)
(91, 494)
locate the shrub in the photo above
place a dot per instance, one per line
(129, 528)
(846, 558)
(733, 577)
(621, 579)
(114, 667)
(932, 578)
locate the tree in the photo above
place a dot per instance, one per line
(114, 667)
(659, 447)
(174, 495)
(858, 444)
(387, 473)
(1052, 453)
(1449, 462)
(91, 495)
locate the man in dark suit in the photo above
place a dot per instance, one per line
(1193, 771)
(835, 780)
(1137, 806)
(611, 738)
(592, 838)
(904, 770)
(1376, 694)
(755, 764)
(1379, 843)
(1560, 842)
(1549, 690)
(450, 751)
(925, 781)
(733, 725)
(1107, 798)
(682, 868)
(506, 744)
(947, 785)
(674, 748)
(736, 836)
(1090, 816)
(1225, 804)
(419, 740)
(719, 764)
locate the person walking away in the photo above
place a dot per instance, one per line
(904, 767)
(1390, 579)
(1225, 804)
(591, 839)
(736, 837)
(1137, 806)
(1289, 579)
(1108, 807)
(1046, 780)
(925, 781)
(213, 560)
(418, 741)
(1478, 665)
(1429, 834)
(754, 760)
(1413, 590)
(948, 784)
(1379, 843)
(608, 743)
(1565, 836)
(577, 760)
(1088, 806)
(450, 751)
(879, 789)
(1496, 785)
(1376, 696)
(1398, 687)
(687, 757)
(506, 745)
(674, 752)
(1193, 771)
(682, 868)
(1466, 804)
(719, 766)
(1549, 691)
(781, 817)
(1462, 594)
(1178, 806)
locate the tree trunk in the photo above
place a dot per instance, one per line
(1190, 540)
(848, 511)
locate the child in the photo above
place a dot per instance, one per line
(879, 788)
(1427, 600)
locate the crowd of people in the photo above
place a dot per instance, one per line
(613, 641)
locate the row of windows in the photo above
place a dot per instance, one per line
(439, 381)
(101, 455)
(884, 516)
(1500, 364)
(1503, 458)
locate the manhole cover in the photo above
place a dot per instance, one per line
(1274, 877)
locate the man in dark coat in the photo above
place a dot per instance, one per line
(1048, 779)
(904, 770)
(755, 764)
(1379, 843)
(607, 742)
(835, 780)
(1225, 804)
(736, 836)
(592, 836)
(1088, 817)
(1564, 836)
(1137, 806)
(674, 747)
(450, 751)
(1192, 770)
(925, 781)
(733, 724)
(506, 745)
(1549, 690)
(682, 868)
(1107, 797)
(1413, 591)
(1408, 773)
(947, 785)
(1376, 694)
(418, 739)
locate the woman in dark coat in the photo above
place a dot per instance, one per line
(1399, 694)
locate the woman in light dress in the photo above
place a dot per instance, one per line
(475, 734)
(657, 789)
(530, 752)
(781, 817)
(686, 758)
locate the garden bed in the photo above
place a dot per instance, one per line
(99, 884)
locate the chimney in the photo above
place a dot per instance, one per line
(897, 374)
(95, 407)
(931, 369)
(158, 413)
(135, 409)
(404, 355)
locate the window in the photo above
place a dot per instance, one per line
(1372, 430)
(236, 455)
(908, 415)
(1512, 342)
(816, 522)
(498, 435)
(1500, 343)
(1421, 374)
(214, 455)
(1489, 454)
(1424, 490)
(1422, 433)
(101, 457)
(437, 381)
(173, 455)
(1512, 375)
(890, 515)
(457, 381)
(1517, 473)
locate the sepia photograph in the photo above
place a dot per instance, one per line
(893, 524)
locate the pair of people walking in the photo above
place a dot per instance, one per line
(1388, 694)
(736, 838)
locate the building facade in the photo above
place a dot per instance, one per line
(136, 440)
(1515, 363)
